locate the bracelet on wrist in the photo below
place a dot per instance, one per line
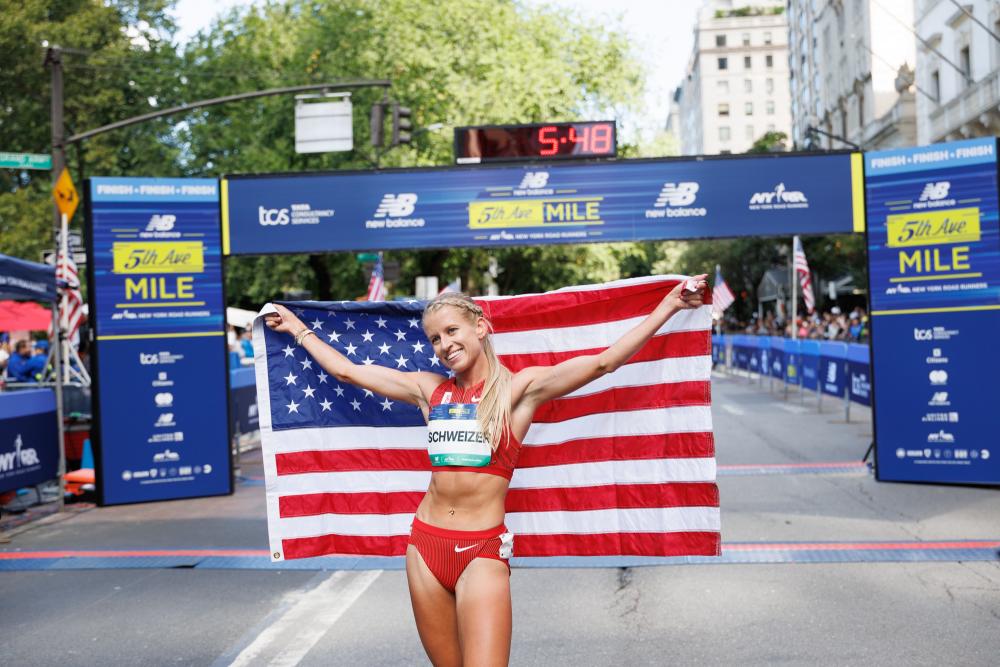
(301, 336)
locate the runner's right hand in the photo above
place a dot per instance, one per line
(284, 321)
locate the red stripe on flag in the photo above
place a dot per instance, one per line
(611, 496)
(575, 499)
(625, 399)
(665, 346)
(294, 463)
(619, 448)
(692, 543)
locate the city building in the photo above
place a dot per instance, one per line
(735, 88)
(851, 68)
(958, 69)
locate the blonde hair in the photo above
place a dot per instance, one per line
(493, 412)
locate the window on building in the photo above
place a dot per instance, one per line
(720, 40)
(936, 85)
(769, 86)
(724, 110)
(747, 86)
(725, 151)
(769, 61)
(767, 38)
(723, 133)
(749, 133)
(747, 62)
(965, 62)
(746, 39)
(722, 85)
(769, 108)
(723, 63)
(861, 108)
(748, 109)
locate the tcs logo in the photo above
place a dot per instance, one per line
(923, 334)
(148, 359)
(272, 216)
(396, 206)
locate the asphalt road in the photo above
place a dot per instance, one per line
(933, 609)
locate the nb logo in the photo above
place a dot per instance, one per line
(831, 373)
(534, 180)
(161, 223)
(396, 206)
(272, 216)
(677, 194)
(935, 191)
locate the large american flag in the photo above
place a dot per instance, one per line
(802, 271)
(622, 466)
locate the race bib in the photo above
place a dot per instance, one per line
(454, 437)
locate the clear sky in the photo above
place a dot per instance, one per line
(662, 30)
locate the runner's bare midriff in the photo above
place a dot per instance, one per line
(464, 500)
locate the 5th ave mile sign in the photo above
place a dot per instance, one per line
(25, 161)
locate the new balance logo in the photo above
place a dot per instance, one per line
(534, 180)
(396, 206)
(677, 194)
(161, 223)
(935, 191)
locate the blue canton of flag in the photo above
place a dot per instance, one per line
(386, 334)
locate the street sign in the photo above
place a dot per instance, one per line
(25, 161)
(65, 194)
(367, 257)
(79, 257)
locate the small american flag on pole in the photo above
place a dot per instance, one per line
(802, 271)
(376, 286)
(71, 301)
(622, 466)
(722, 296)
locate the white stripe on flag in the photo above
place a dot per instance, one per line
(654, 471)
(685, 419)
(585, 337)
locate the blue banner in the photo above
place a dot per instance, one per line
(833, 368)
(161, 403)
(29, 438)
(934, 264)
(243, 400)
(859, 374)
(777, 360)
(628, 200)
(808, 364)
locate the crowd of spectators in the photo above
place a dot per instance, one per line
(833, 324)
(22, 360)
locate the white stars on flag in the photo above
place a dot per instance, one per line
(317, 324)
(326, 404)
(289, 351)
(290, 379)
(401, 362)
(306, 363)
(383, 348)
(309, 391)
(418, 347)
(367, 336)
(400, 335)
(386, 405)
(368, 361)
(292, 407)
(380, 322)
(414, 324)
(351, 349)
(356, 405)
(322, 377)
(334, 337)
(339, 390)
(349, 323)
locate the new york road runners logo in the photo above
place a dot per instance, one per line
(778, 199)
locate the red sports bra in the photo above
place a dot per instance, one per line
(504, 458)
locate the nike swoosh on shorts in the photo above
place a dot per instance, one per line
(457, 550)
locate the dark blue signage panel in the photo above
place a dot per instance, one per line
(859, 374)
(156, 302)
(934, 265)
(627, 200)
(29, 439)
(832, 368)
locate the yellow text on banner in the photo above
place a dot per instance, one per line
(159, 257)
(919, 228)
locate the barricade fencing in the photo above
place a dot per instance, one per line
(840, 370)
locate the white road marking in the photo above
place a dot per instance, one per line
(308, 619)
(731, 409)
(796, 409)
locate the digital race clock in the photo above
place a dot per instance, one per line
(538, 141)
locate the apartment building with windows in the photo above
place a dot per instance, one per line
(958, 69)
(735, 88)
(851, 65)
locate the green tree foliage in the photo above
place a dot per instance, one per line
(122, 62)
(456, 63)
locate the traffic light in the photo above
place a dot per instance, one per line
(378, 124)
(401, 124)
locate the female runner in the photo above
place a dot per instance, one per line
(456, 560)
